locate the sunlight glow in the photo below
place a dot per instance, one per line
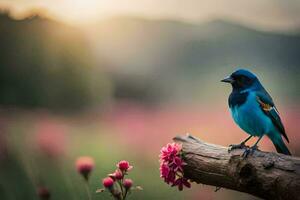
(82, 10)
(263, 15)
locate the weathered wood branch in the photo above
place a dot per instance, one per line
(262, 174)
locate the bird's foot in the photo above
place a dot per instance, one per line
(249, 151)
(237, 146)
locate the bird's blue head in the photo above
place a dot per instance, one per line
(241, 79)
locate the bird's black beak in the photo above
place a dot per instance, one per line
(228, 79)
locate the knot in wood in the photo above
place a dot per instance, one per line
(247, 175)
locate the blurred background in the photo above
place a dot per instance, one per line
(119, 79)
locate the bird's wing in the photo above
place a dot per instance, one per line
(268, 107)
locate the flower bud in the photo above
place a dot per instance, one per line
(118, 175)
(108, 182)
(84, 166)
(124, 165)
(127, 184)
(43, 193)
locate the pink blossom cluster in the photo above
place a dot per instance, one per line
(117, 184)
(171, 166)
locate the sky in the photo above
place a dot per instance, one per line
(262, 14)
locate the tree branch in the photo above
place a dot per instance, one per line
(262, 174)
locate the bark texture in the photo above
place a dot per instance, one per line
(262, 174)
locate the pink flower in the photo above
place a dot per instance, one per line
(164, 170)
(171, 166)
(180, 182)
(118, 175)
(108, 182)
(127, 184)
(85, 165)
(116, 183)
(51, 138)
(169, 152)
(43, 193)
(124, 166)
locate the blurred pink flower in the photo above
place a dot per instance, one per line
(131, 122)
(43, 193)
(51, 138)
(84, 166)
(171, 166)
(124, 166)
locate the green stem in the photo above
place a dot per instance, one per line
(87, 188)
(125, 194)
(121, 186)
(118, 198)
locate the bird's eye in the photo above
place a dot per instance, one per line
(245, 80)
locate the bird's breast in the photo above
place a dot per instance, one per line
(237, 98)
(250, 117)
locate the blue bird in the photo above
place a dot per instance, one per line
(253, 109)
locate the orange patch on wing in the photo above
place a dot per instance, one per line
(264, 106)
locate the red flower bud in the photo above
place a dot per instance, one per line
(43, 193)
(124, 165)
(108, 182)
(84, 166)
(127, 183)
(118, 175)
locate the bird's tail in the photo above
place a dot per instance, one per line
(279, 145)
